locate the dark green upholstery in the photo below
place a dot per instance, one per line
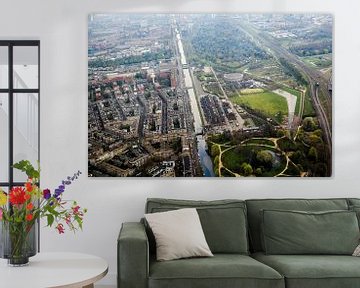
(136, 269)
(356, 209)
(133, 256)
(294, 232)
(254, 217)
(354, 205)
(315, 271)
(222, 270)
(223, 221)
(353, 202)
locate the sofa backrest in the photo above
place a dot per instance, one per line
(353, 202)
(256, 205)
(223, 221)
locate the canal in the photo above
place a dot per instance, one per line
(205, 160)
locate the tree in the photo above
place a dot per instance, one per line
(258, 171)
(279, 117)
(309, 124)
(312, 154)
(292, 70)
(296, 156)
(287, 144)
(152, 125)
(216, 164)
(318, 132)
(264, 157)
(246, 169)
(139, 76)
(314, 139)
(176, 123)
(280, 133)
(215, 151)
(176, 145)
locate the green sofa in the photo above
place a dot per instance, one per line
(234, 230)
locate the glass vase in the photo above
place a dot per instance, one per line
(18, 242)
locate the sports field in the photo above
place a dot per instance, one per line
(268, 103)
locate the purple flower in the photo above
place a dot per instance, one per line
(68, 181)
(57, 193)
(46, 194)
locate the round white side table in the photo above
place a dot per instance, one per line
(50, 270)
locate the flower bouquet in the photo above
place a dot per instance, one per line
(21, 208)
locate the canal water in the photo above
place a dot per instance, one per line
(205, 160)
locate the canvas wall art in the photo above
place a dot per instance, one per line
(210, 95)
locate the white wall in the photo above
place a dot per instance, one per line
(62, 28)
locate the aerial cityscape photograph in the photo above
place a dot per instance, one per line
(210, 95)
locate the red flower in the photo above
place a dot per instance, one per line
(27, 196)
(29, 187)
(60, 228)
(29, 217)
(75, 209)
(29, 206)
(68, 219)
(17, 196)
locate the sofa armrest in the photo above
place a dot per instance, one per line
(133, 256)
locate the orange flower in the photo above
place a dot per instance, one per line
(29, 217)
(29, 206)
(29, 187)
(27, 196)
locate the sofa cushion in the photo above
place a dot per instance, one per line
(222, 270)
(313, 271)
(356, 209)
(178, 234)
(254, 217)
(353, 201)
(223, 221)
(297, 232)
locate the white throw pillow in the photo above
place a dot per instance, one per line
(178, 234)
(357, 251)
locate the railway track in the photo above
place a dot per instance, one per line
(317, 82)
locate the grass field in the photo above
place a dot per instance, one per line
(267, 103)
(297, 94)
(251, 91)
(260, 141)
(291, 91)
(233, 160)
(308, 107)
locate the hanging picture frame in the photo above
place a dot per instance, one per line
(214, 95)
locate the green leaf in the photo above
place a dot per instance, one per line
(26, 167)
(50, 219)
